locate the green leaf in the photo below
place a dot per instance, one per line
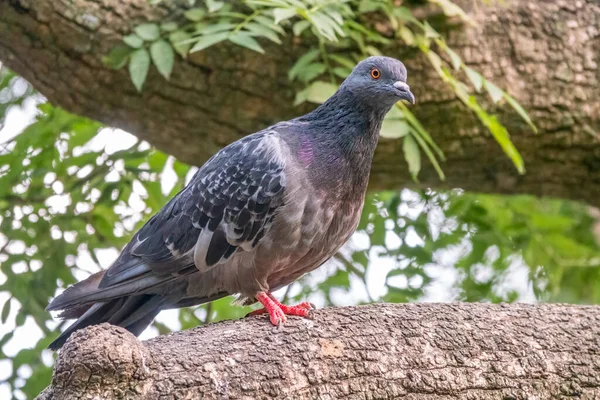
(245, 40)
(420, 130)
(407, 35)
(343, 61)
(194, 14)
(566, 246)
(425, 146)
(517, 107)
(176, 39)
(281, 14)
(500, 134)
(269, 23)
(139, 64)
(262, 30)
(369, 5)
(300, 26)
(341, 72)
(340, 279)
(82, 132)
(133, 41)
(155, 196)
(317, 92)
(412, 155)
(168, 26)
(311, 71)
(372, 51)
(429, 31)
(118, 56)
(435, 60)
(451, 9)
(149, 32)
(549, 222)
(494, 91)
(394, 128)
(334, 15)
(326, 26)
(209, 40)
(404, 13)
(214, 5)
(20, 320)
(5, 311)
(157, 160)
(454, 58)
(302, 62)
(395, 113)
(475, 78)
(163, 57)
(214, 28)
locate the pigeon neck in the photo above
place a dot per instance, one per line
(349, 122)
(347, 115)
(343, 136)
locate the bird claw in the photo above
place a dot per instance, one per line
(307, 305)
(310, 314)
(278, 327)
(277, 311)
(277, 317)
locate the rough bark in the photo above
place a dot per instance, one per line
(545, 53)
(382, 351)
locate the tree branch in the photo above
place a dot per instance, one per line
(545, 53)
(384, 351)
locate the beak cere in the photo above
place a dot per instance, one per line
(405, 92)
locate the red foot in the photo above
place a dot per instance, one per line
(277, 311)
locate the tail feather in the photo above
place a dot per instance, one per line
(134, 313)
(130, 303)
(138, 326)
(87, 291)
(136, 308)
(91, 317)
(78, 290)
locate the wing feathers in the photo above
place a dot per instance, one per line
(228, 205)
(238, 198)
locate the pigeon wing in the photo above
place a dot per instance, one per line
(227, 207)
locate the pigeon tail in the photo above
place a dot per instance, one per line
(133, 313)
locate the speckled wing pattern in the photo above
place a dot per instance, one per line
(228, 206)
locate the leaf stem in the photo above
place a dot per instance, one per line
(325, 56)
(246, 21)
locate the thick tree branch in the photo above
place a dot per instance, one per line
(545, 53)
(384, 351)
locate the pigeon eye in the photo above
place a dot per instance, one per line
(375, 73)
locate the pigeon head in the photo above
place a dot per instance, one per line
(381, 80)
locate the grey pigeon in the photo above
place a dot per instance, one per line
(260, 213)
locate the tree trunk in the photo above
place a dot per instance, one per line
(544, 53)
(379, 351)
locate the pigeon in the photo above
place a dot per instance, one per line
(256, 216)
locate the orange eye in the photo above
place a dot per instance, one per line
(375, 73)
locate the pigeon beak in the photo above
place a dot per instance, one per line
(404, 91)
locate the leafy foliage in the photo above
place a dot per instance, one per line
(63, 197)
(549, 244)
(346, 33)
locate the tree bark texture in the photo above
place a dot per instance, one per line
(544, 53)
(379, 351)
